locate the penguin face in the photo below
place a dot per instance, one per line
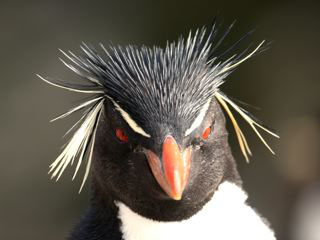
(135, 169)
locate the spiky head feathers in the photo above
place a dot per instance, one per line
(150, 86)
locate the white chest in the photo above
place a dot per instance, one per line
(225, 217)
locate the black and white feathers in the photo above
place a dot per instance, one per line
(151, 85)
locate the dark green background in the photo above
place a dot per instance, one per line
(283, 81)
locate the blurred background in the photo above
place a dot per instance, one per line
(284, 82)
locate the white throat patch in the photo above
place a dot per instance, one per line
(225, 217)
(196, 123)
(135, 127)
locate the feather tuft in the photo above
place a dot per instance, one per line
(82, 140)
(223, 100)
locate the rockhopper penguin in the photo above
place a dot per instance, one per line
(153, 137)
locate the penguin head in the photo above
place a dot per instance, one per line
(153, 132)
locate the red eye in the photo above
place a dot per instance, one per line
(121, 135)
(206, 133)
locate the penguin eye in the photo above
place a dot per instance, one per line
(206, 133)
(121, 135)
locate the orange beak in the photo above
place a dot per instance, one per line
(173, 172)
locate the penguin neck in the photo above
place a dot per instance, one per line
(107, 214)
(100, 221)
(103, 198)
(214, 214)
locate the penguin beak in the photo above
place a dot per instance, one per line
(173, 171)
